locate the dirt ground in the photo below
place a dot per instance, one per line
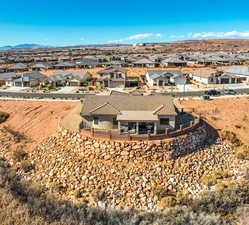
(227, 114)
(39, 119)
(35, 119)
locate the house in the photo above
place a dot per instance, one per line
(64, 65)
(69, 78)
(129, 114)
(214, 77)
(87, 63)
(40, 66)
(112, 77)
(174, 62)
(6, 78)
(18, 67)
(165, 77)
(22, 80)
(240, 72)
(144, 63)
(32, 79)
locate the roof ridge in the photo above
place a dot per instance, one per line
(158, 108)
(101, 106)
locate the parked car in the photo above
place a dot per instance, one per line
(212, 92)
(229, 92)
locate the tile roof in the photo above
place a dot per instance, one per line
(153, 74)
(238, 70)
(131, 103)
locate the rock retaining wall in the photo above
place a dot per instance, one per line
(142, 150)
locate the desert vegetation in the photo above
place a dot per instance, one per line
(27, 203)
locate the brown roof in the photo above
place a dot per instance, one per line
(204, 73)
(106, 105)
(112, 69)
(105, 109)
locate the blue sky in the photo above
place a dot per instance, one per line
(60, 22)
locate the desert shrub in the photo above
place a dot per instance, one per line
(18, 137)
(242, 153)
(26, 166)
(212, 178)
(99, 195)
(3, 116)
(224, 201)
(208, 180)
(167, 201)
(231, 137)
(19, 154)
(161, 192)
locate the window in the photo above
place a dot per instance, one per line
(95, 120)
(164, 121)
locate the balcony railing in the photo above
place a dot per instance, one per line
(115, 135)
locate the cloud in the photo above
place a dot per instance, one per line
(136, 37)
(82, 38)
(228, 34)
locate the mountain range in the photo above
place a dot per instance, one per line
(8, 47)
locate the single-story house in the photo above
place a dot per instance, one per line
(214, 77)
(22, 80)
(144, 63)
(112, 77)
(18, 67)
(6, 78)
(87, 63)
(165, 77)
(64, 65)
(69, 78)
(241, 72)
(40, 66)
(173, 62)
(31, 79)
(129, 114)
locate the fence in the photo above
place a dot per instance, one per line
(114, 135)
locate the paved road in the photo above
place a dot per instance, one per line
(77, 96)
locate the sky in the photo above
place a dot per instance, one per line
(80, 22)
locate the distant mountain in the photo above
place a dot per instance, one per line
(8, 47)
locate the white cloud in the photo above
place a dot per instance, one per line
(137, 37)
(228, 34)
(82, 38)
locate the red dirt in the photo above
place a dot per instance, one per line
(35, 119)
(226, 114)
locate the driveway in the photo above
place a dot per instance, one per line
(66, 90)
(15, 89)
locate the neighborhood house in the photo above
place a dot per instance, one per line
(69, 78)
(165, 77)
(214, 77)
(112, 77)
(129, 114)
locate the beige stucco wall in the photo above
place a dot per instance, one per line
(105, 122)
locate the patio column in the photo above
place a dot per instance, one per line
(119, 132)
(155, 128)
(137, 128)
